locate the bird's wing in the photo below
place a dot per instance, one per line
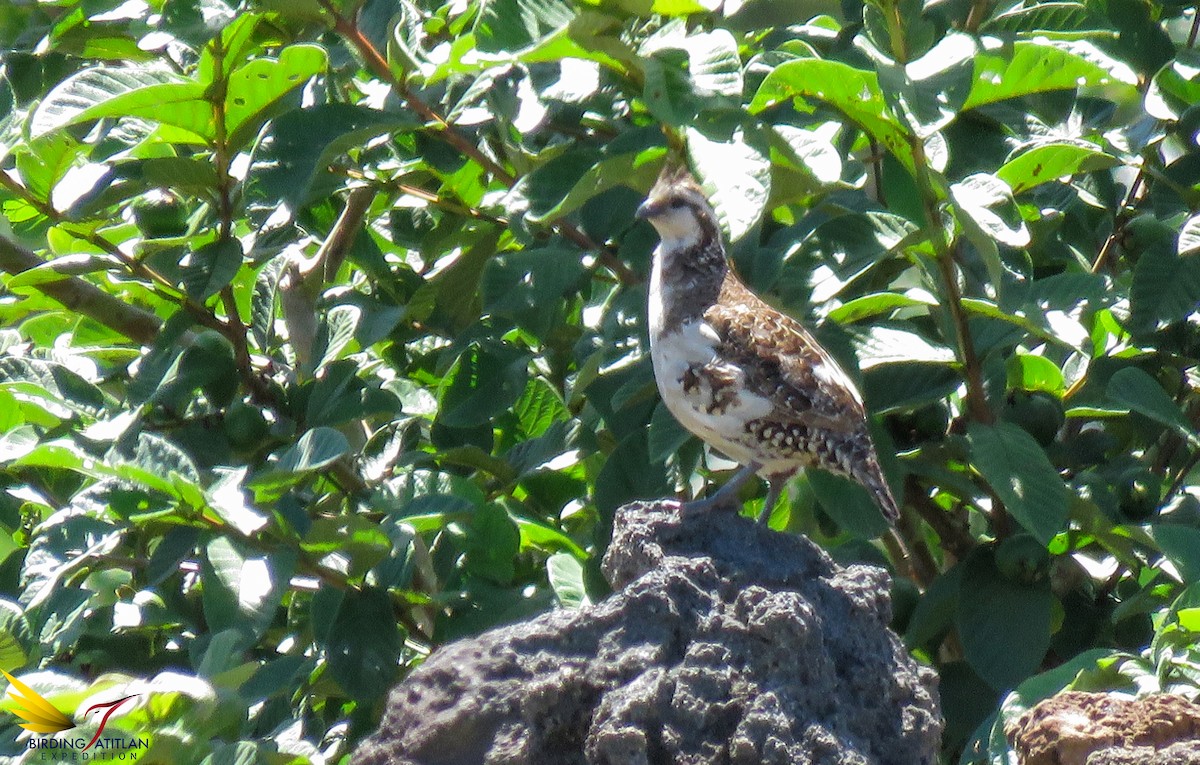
(784, 362)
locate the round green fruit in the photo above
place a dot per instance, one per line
(1021, 558)
(212, 350)
(1038, 413)
(245, 425)
(160, 216)
(1139, 493)
(929, 423)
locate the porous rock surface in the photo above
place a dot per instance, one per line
(1079, 728)
(723, 642)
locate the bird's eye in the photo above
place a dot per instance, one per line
(678, 204)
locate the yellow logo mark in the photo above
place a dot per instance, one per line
(40, 715)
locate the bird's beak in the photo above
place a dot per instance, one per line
(651, 208)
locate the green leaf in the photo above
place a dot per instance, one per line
(714, 64)
(241, 592)
(849, 504)
(352, 536)
(457, 286)
(635, 169)
(878, 304)
(1029, 372)
(547, 538)
(228, 500)
(1189, 238)
(300, 145)
(61, 268)
(805, 149)
(156, 95)
(1189, 619)
(337, 331)
(262, 302)
(1018, 318)
(509, 25)
(1026, 68)
(16, 637)
(892, 345)
(566, 578)
(210, 269)
(16, 442)
(735, 172)
(987, 202)
(482, 382)
(188, 175)
(1061, 21)
(1165, 290)
(850, 245)
(493, 544)
(538, 408)
(1140, 392)
(364, 643)
(336, 396)
(1017, 469)
(854, 92)
(254, 89)
(1176, 87)
(905, 386)
(316, 449)
(550, 184)
(44, 162)
(53, 387)
(666, 435)
(1035, 164)
(1004, 626)
(629, 474)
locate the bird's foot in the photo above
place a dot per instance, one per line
(726, 496)
(715, 502)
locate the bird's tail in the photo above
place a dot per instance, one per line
(871, 477)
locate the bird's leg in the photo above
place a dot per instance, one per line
(774, 489)
(727, 494)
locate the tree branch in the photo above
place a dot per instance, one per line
(77, 295)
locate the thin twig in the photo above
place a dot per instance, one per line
(953, 536)
(976, 400)
(977, 14)
(1120, 219)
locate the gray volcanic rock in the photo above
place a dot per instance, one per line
(723, 643)
(1182, 753)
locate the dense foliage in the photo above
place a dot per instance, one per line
(323, 337)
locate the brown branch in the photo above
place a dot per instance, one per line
(1119, 221)
(955, 539)
(440, 128)
(976, 399)
(976, 16)
(78, 295)
(440, 201)
(159, 283)
(345, 231)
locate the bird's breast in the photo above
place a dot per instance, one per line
(704, 391)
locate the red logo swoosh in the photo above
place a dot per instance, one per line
(109, 707)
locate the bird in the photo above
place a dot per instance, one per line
(750, 381)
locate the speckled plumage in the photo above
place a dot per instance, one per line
(750, 381)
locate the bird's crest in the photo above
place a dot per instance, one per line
(674, 178)
(676, 182)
